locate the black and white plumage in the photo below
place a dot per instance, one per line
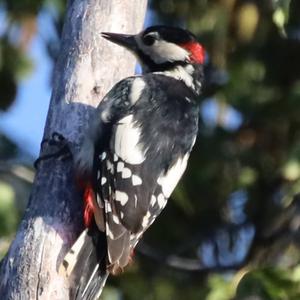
(139, 141)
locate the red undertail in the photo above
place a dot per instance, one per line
(89, 207)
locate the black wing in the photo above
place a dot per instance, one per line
(136, 177)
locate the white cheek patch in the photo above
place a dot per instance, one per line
(169, 180)
(136, 90)
(162, 51)
(127, 141)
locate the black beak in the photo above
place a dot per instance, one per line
(125, 40)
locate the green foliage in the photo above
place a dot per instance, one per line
(156, 285)
(8, 149)
(20, 26)
(269, 284)
(8, 212)
(20, 9)
(12, 59)
(249, 175)
(220, 288)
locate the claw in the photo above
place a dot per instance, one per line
(56, 140)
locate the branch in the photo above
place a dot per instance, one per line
(263, 250)
(87, 67)
(183, 264)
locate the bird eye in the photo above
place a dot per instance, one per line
(148, 40)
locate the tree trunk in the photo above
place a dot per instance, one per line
(88, 66)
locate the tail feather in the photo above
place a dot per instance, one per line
(85, 265)
(94, 288)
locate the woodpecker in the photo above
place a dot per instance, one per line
(137, 146)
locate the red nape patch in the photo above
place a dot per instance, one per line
(197, 52)
(89, 207)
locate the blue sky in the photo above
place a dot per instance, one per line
(24, 122)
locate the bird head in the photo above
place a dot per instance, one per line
(161, 47)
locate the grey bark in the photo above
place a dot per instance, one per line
(88, 66)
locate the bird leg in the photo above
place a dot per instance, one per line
(58, 148)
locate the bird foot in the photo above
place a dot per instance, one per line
(57, 147)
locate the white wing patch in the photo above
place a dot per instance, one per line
(169, 180)
(136, 90)
(121, 197)
(115, 219)
(107, 206)
(136, 180)
(127, 141)
(110, 166)
(103, 180)
(161, 200)
(126, 173)
(146, 219)
(153, 200)
(120, 166)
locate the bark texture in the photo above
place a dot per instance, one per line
(88, 66)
